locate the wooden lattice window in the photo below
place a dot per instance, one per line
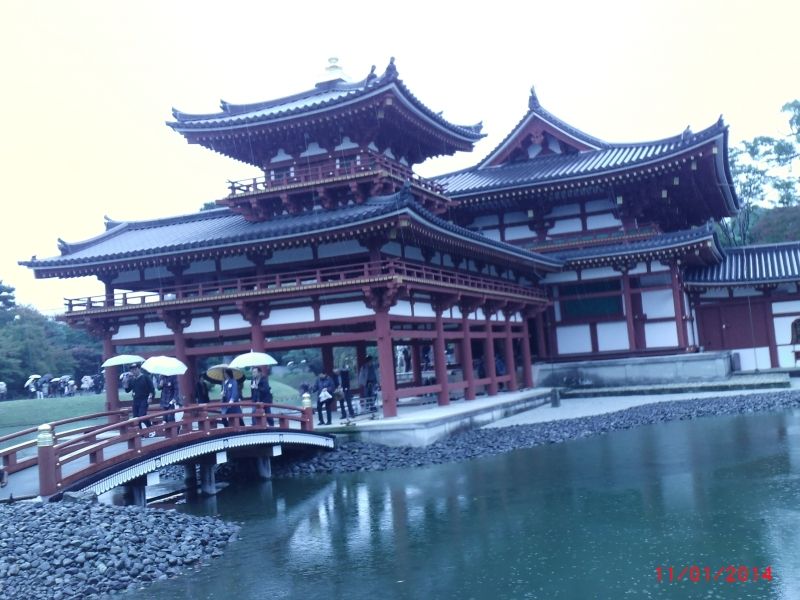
(796, 331)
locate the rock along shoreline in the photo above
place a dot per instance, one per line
(79, 548)
(354, 456)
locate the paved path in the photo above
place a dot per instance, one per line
(572, 408)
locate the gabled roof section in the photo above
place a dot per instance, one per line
(539, 127)
(700, 242)
(126, 242)
(750, 265)
(323, 97)
(607, 160)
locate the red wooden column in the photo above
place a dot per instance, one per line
(466, 356)
(111, 376)
(773, 345)
(508, 341)
(254, 313)
(541, 344)
(383, 337)
(440, 360)
(527, 363)
(626, 294)
(177, 321)
(416, 363)
(677, 300)
(488, 354)
(327, 358)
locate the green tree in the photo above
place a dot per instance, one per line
(780, 224)
(750, 180)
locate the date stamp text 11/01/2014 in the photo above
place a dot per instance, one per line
(726, 574)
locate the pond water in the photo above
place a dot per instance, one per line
(591, 518)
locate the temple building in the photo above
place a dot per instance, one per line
(557, 246)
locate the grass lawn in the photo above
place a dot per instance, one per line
(30, 412)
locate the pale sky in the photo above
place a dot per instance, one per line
(88, 86)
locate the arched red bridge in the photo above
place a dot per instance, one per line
(117, 451)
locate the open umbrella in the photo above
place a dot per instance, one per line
(252, 359)
(31, 379)
(164, 365)
(122, 359)
(217, 372)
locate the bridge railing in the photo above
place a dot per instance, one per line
(21, 454)
(63, 463)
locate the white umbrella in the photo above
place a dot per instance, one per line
(122, 359)
(164, 365)
(252, 359)
(217, 372)
(31, 379)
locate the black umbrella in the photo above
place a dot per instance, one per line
(47, 377)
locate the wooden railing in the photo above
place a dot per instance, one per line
(63, 463)
(348, 166)
(371, 272)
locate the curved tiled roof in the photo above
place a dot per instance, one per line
(564, 167)
(324, 96)
(750, 265)
(222, 227)
(656, 243)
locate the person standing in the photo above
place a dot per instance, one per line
(261, 392)
(231, 396)
(367, 380)
(341, 381)
(168, 384)
(324, 388)
(141, 386)
(201, 391)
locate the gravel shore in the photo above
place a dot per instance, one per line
(83, 549)
(361, 456)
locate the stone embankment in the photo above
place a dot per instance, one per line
(360, 456)
(82, 549)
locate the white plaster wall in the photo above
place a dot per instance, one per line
(516, 232)
(299, 314)
(789, 306)
(564, 210)
(423, 309)
(745, 292)
(344, 310)
(612, 336)
(715, 293)
(786, 288)
(402, 308)
(661, 335)
(602, 204)
(753, 358)
(783, 329)
(229, 263)
(656, 267)
(639, 269)
(573, 339)
(560, 277)
(291, 255)
(485, 221)
(200, 325)
(126, 277)
(602, 221)
(151, 273)
(658, 304)
(126, 332)
(202, 266)
(557, 311)
(517, 216)
(786, 355)
(455, 312)
(351, 247)
(234, 321)
(565, 226)
(599, 273)
(492, 234)
(156, 328)
(413, 253)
